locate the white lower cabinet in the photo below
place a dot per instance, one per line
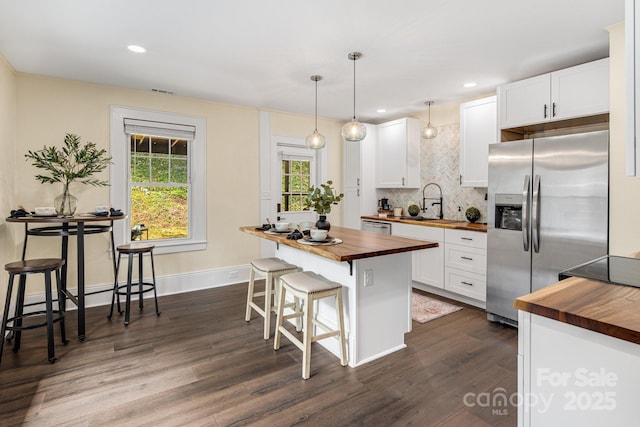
(466, 263)
(427, 264)
(456, 269)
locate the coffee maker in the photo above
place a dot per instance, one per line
(383, 204)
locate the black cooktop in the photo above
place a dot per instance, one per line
(611, 269)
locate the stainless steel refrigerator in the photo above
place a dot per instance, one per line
(548, 206)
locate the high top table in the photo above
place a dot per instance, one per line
(58, 226)
(375, 271)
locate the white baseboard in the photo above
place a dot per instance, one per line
(166, 285)
(450, 295)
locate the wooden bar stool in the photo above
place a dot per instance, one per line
(22, 269)
(143, 287)
(271, 269)
(310, 287)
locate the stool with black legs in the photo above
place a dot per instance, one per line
(142, 286)
(23, 269)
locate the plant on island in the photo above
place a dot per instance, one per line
(321, 198)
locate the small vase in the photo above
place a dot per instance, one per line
(66, 203)
(322, 223)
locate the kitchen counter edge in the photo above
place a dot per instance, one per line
(609, 309)
(458, 225)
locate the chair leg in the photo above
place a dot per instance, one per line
(115, 288)
(17, 334)
(140, 281)
(344, 359)
(61, 307)
(49, 316)
(127, 308)
(276, 338)
(153, 276)
(252, 276)
(307, 335)
(5, 314)
(267, 304)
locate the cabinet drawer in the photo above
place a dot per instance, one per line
(421, 232)
(474, 239)
(464, 283)
(466, 258)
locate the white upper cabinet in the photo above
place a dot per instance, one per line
(478, 129)
(573, 92)
(398, 154)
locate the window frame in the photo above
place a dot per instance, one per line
(120, 171)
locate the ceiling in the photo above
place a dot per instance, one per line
(261, 53)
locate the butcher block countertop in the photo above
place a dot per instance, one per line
(606, 308)
(440, 223)
(355, 244)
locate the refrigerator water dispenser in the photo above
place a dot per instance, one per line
(508, 212)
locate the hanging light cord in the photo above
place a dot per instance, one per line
(354, 87)
(316, 80)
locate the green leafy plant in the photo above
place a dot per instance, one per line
(413, 210)
(321, 198)
(72, 162)
(472, 214)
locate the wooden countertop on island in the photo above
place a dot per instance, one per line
(355, 244)
(606, 308)
(439, 223)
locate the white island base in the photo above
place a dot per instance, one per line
(377, 301)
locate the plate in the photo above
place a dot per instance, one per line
(329, 241)
(277, 231)
(44, 216)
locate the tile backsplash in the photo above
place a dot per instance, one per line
(440, 163)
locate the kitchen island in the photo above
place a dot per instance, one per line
(375, 271)
(578, 355)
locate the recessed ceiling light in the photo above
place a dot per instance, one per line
(381, 110)
(470, 84)
(136, 48)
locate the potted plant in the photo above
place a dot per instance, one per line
(320, 199)
(73, 162)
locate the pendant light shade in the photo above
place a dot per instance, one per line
(354, 130)
(316, 140)
(429, 132)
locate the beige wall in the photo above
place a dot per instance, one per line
(47, 108)
(7, 166)
(624, 227)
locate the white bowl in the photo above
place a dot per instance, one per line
(318, 234)
(282, 226)
(306, 225)
(45, 211)
(102, 209)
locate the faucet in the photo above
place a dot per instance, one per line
(439, 202)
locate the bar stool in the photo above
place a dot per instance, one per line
(271, 269)
(310, 287)
(143, 287)
(22, 269)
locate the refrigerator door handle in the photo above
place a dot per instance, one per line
(525, 214)
(535, 214)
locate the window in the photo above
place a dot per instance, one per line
(158, 176)
(296, 180)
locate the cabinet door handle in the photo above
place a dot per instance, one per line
(466, 283)
(460, 179)
(467, 258)
(358, 192)
(358, 181)
(545, 111)
(553, 109)
(466, 238)
(403, 182)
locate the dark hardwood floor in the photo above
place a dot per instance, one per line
(200, 363)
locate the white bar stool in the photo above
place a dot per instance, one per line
(309, 287)
(271, 269)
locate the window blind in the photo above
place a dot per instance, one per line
(167, 130)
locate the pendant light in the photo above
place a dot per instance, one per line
(429, 132)
(354, 130)
(316, 140)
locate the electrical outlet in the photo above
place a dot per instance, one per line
(368, 277)
(234, 274)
